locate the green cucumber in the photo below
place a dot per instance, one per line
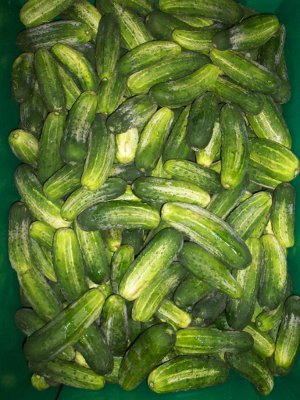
(271, 52)
(142, 7)
(209, 269)
(112, 239)
(239, 312)
(184, 373)
(175, 67)
(284, 93)
(42, 260)
(274, 275)
(111, 93)
(25, 146)
(23, 77)
(283, 214)
(208, 309)
(49, 159)
(161, 25)
(264, 345)
(226, 11)
(75, 62)
(195, 21)
(168, 312)
(107, 51)
(260, 177)
(145, 354)
(267, 319)
(190, 291)
(49, 81)
(28, 321)
(126, 146)
(246, 72)
(47, 35)
(94, 255)
(183, 91)
(80, 119)
(89, 52)
(82, 198)
(38, 382)
(202, 117)
(159, 171)
(113, 376)
(205, 157)
(120, 263)
(134, 238)
(211, 341)
(70, 87)
(31, 192)
(158, 253)
(42, 233)
(209, 231)
(198, 40)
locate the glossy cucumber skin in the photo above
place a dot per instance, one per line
(168, 312)
(219, 238)
(200, 40)
(161, 25)
(126, 146)
(25, 146)
(42, 233)
(120, 262)
(263, 342)
(70, 87)
(110, 93)
(22, 77)
(158, 254)
(139, 361)
(207, 310)
(190, 291)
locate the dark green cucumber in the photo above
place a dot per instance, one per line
(28, 321)
(49, 159)
(145, 354)
(127, 172)
(75, 62)
(202, 117)
(274, 275)
(25, 146)
(89, 52)
(190, 291)
(47, 35)
(254, 369)
(211, 341)
(120, 263)
(195, 40)
(240, 311)
(111, 93)
(168, 312)
(80, 119)
(245, 72)
(211, 152)
(133, 113)
(42, 260)
(31, 192)
(161, 25)
(82, 198)
(184, 90)
(126, 146)
(107, 51)
(264, 345)
(22, 78)
(42, 233)
(209, 269)
(158, 253)
(134, 238)
(70, 87)
(175, 67)
(226, 11)
(63, 182)
(113, 376)
(284, 93)
(207, 310)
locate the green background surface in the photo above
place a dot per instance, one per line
(14, 374)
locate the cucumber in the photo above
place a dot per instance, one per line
(82, 198)
(31, 192)
(42, 233)
(126, 146)
(175, 67)
(128, 195)
(287, 342)
(264, 345)
(89, 51)
(134, 238)
(209, 231)
(22, 78)
(80, 119)
(53, 338)
(270, 124)
(195, 21)
(94, 255)
(112, 239)
(111, 93)
(28, 321)
(147, 54)
(274, 276)
(270, 156)
(211, 341)
(133, 113)
(198, 40)
(107, 51)
(190, 291)
(158, 254)
(206, 156)
(209, 269)
(202, 117)
(267, 320)
(271, 52)
(208, 309)
(246, 72)
(70, 87)
(114, 324)
(260, 177)
(25, 146)
(251, 214)
(145, 354)
(47, 35)
(152, 139)
(75, 62)
(253, 368)
(49, 81)
(142, 7)
(183, 91)
(70, 374)
(249, 34)
(184, 373)
(42, 260)
(68, 264)
(161, 190)
(188, 171)
(63, 182)
(173, 315)
(39, 382)
(152, 296)
(236, 94)
(284, 93)
(159, 171)
(49, 158)
(226, 11)
(36, 12)
(239, 312)
(120, 263)
(235, 148)
(113, 376)
(161, 25)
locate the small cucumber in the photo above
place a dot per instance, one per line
(264, 345)
(22, 78)
(25, 146)
(70, 87)
(42, 260)
(42, 233)
(190, 291)
(161, 25)
(168, 312)
(111, 93)
(195, 40)
(120, 263)
(126, 146)
(208, 309)
(205, 157)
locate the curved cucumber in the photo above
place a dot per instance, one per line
(120, 263)
(190, 291)
(110, 93)
(22, 78)
(267, 319)
(42, 233)
(25, 146)
(112, 239)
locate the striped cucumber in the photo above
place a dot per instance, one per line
(168, 312)
(126, 146)
(205, 157)
(22, 77)
(70, 87)
(260, 177)
(42, 260)
(42, 233)
(161, 25)
(208, 309)
(120, 263)
(198, 40)
(195, 21)
(142, 7)
(190, 291)
(25, 146)
(110, 93)
(264, 345)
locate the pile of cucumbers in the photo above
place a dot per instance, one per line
(156, 211)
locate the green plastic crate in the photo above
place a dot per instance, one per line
(14, 374)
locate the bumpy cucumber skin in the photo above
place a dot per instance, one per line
(42, 260)
(126, 146)
(200, 40)
(190, 291)
(42, 233)
(134, 238)
(264, 345)
(22, 77)
(24, 145)
(120, 262)
(70, 87)
(168, 312)
(211, 152)
(111, 93)
(161, 25)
